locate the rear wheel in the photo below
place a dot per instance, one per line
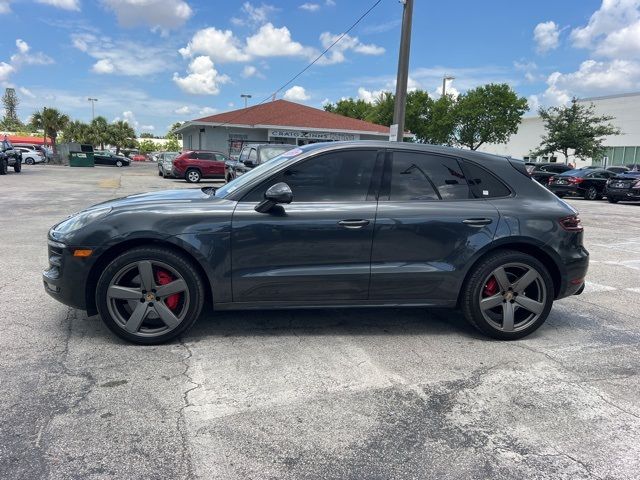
(612, 199)
(29, 161)
(591, 193)
(508, 295)
(192, 176)
(149, 295)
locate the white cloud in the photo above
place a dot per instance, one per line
(252, 15)
(208, 111)
(147, 128)
(24, 57)
(534, 103)
(249, 71)
(612, 16)
(162, 14)
(26, 92)
(270, 41)
(23, 47)
(64, 4)
(121, 57)
(185, 110)
(546, 36)
(369, 96)
(337, 53)
(6, 71)
(296, 94)
(202, 78)
(5, 6)
(330, 3)
(221, 46)
(310, 7)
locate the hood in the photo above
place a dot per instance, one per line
(162, 198)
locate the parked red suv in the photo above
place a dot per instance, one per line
(194, 165)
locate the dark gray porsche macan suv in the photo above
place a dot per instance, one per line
(328, 225)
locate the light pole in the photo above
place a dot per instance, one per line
(93, 107)
(444, 83)
(246, 98)
(403, 69)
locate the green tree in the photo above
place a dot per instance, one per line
(576, 128)
(382, 112)
(10, 101)
(146, 146)
(122, 135)
(51, 121)
(146, 135)
(172, 131)
(172, 145)
(351, 108)
(76, 131)
(98, 132)
(487, 114)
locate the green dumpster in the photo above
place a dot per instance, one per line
(82, 158)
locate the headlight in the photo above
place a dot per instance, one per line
(76, 222)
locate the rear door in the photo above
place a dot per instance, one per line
(432, 217)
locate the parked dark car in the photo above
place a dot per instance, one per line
(589, 183)
(624, 187)
(333, 225)
(9, 157)
(542, 172)
(108, 158)
(194, 165)
(253, 155)
(618, 169)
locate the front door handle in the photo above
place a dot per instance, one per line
(353, 224)
(477, 222)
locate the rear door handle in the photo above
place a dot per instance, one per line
(353, 224)
(477, 222)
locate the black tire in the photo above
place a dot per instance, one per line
(176, 261)
(612, 199)
(560, 195)
(192, 175)
(160, 174)
(4, 166)
(30, 161)
(591, 193)
(475, 286)
(17, 167)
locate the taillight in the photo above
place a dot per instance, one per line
(571, 223)
(576, 180)
(552, 179)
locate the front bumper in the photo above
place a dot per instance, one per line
(623, 193)
(65, 279)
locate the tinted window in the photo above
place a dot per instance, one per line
(417, 176)
(244, 154)
(267, 153)
(205, 156)
(332, 177)
(484, 184)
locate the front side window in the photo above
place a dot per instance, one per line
(244, 154)
(341, 176)
(418, 176)
(205, 156)
(253, 155)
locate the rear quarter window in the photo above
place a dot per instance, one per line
(482, 183)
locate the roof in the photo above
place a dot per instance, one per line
(30, 140)
(282, 113)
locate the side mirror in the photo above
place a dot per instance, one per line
(249, 163)
(276, 194)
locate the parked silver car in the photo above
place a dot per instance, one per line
(165, 163)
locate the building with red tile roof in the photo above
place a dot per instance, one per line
(278, 121)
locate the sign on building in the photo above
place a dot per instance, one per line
(326, 136)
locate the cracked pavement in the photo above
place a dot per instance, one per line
(383, 393)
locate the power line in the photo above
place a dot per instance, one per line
(301, 72)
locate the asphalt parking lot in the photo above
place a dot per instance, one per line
(398, 393)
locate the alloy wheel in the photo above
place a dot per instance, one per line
(148, 298)
(513, 297)
(193, 176)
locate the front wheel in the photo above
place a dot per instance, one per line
(149, 295)
(30, 161)
(17, 167)
(508, 295)
(193, 176)
(612, 199)
(4, 166)
(591, 194)
(119, 164)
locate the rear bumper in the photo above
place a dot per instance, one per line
(575, 271)
(566, 189)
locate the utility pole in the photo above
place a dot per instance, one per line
(403, 68)
(246, 97)
(444, 83)
(93, 107)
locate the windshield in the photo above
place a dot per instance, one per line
(232, 186)
(169, 157)
(271, 152)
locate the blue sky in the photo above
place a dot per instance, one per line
(154, 62)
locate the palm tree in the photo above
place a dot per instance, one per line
(76, 131)
(121, 135)
(51, 121)
(99, 131)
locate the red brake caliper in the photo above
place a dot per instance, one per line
(162, 278)
(491, 288)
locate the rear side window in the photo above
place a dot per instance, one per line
(482, 183)
(205, 156)
(419, 176)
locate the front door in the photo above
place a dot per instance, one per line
(316, 249)
(429, 223)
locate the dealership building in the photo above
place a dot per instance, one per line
(279, 121)
(623, 149)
